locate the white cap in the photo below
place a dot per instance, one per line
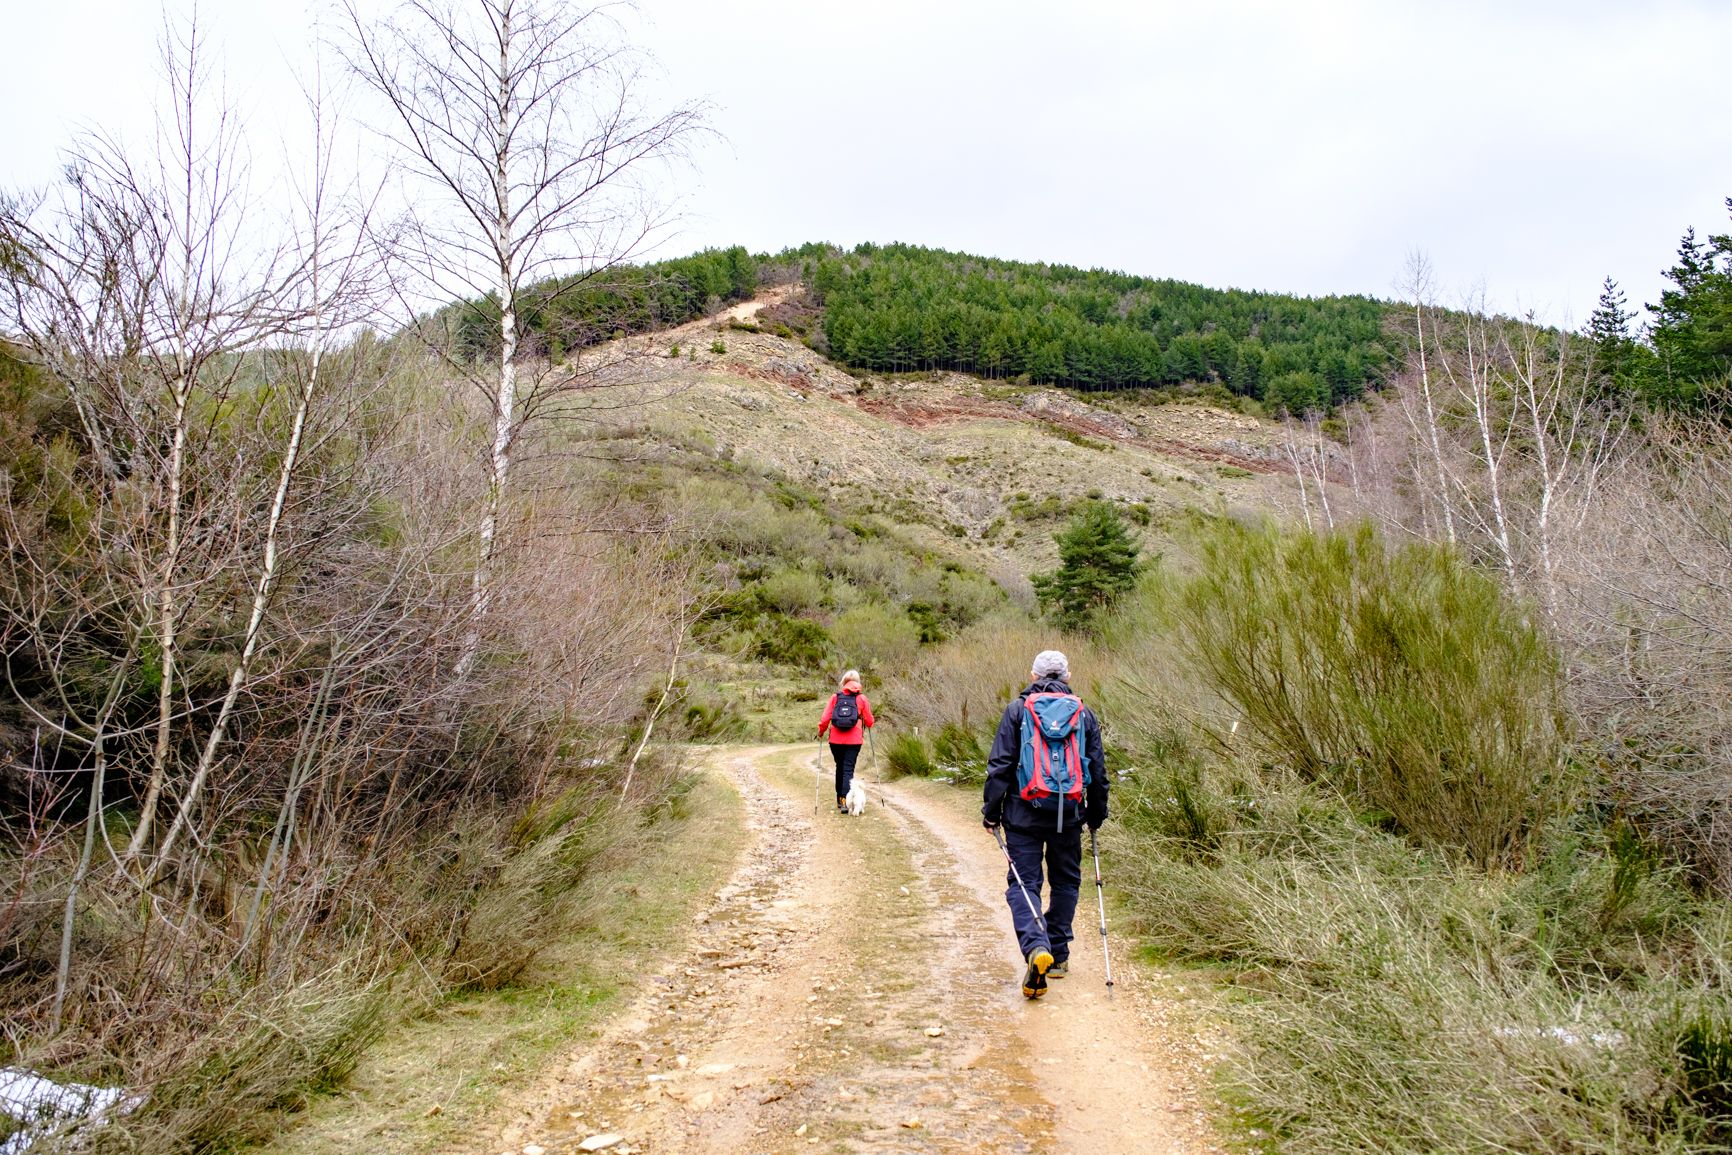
(1051, 664)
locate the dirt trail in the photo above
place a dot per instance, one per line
(854, 986)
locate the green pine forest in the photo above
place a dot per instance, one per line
(901, 307)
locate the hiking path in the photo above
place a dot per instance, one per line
(854, 985)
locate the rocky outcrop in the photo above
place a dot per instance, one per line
(1063, 409)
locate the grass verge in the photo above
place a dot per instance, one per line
(434, 1082)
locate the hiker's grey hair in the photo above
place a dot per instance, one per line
(1051, 664)
(850, 676)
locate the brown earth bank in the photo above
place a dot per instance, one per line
(854, 985)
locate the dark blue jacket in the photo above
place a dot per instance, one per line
(1004, 804)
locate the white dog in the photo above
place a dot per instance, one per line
(856, 798)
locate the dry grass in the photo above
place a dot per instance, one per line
(469, 1053)
(1393, 1000)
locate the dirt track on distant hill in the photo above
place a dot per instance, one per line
(855, 986)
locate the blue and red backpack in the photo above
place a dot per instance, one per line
(1052, 766)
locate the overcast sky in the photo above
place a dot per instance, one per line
(1304, 146)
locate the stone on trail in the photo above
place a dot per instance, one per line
(600, 1142)
(934, 1032)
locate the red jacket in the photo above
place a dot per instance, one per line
(853, 737)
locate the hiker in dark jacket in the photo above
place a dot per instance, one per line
(1033, 833)
(845, 741)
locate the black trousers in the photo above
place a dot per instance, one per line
(1062, 852)
(845, 755)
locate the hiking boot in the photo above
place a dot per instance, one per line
(1034, 982)
(841, 806)
(1058, 969)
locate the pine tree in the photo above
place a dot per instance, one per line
(1692, 331)
(1098, 563)
(1609, 329)
(1610, 322)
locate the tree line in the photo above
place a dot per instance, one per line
(569, 313)
(901, 307)
(1678, 357)
(898, 308)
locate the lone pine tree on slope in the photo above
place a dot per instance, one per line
(1098, 563)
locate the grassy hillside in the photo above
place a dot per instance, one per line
(961, 463)
(861, 521)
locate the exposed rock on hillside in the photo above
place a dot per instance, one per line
(1063, 409)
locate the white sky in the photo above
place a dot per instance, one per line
(1305, 146)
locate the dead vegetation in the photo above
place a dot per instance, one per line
(1607, 518)
(270, 775)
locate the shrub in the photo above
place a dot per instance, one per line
(718, 347)
(793, 642)
(713, 719)
(907, 755)
(960, 753)
(875, 637)
(793, 591)
(1402, 676)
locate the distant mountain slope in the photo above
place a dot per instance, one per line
(893, 308)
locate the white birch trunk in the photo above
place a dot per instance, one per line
(1431, 427)
(261, 603)
(505, 401)
(167, 611)
(1479, 383)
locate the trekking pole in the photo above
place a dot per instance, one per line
(1101, 901)
(1017, 874)
(877, 777)
(817, 775)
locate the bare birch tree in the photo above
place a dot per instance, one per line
(1472, 367)
(1572, 437)
(329, 248)
(144, 283)
(1422, 412)
(529, 152)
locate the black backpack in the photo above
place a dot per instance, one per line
(846, 713)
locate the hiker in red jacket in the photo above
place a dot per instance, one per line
(847, 716)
